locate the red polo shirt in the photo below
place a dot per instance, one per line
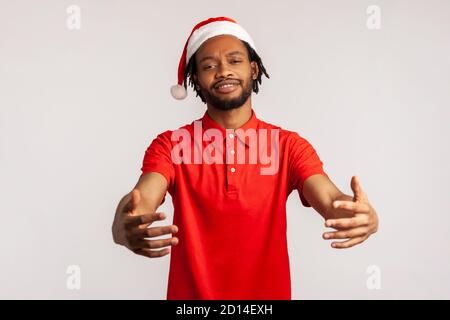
(231, 217)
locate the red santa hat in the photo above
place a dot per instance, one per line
(203, 31)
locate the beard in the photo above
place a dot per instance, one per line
(228, 104)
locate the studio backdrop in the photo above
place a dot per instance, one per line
(84, 89)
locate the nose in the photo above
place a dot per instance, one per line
(223, 71)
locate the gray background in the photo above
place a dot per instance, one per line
(78, 109)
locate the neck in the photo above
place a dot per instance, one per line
(231, 119)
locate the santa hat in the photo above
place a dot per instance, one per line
(200, 33)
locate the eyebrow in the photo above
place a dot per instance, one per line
(234, 53)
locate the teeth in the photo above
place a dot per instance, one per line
(226, 86)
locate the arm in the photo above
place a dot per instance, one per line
(353, 217)
(136, 211)
(321, 192)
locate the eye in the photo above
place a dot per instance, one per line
(235, 61)
(207, 67)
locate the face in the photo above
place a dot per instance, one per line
(225, 74)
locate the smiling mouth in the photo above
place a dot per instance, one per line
(226, 87)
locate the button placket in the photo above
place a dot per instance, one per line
(231, 161)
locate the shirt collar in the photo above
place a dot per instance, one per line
(252, 123)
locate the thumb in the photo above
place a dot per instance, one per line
(133, 202)
(358, 194)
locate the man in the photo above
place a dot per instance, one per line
(230, 215)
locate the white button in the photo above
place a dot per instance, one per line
(233, 169)
(232, 151)
(231, 136)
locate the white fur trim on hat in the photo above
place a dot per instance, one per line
(213, 29)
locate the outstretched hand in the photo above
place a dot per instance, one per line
(132, 229)
(355, 220)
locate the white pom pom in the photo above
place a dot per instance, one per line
(178, 92)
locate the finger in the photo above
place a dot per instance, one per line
(360, 207)
(347, 223)
(358, 193)
(346, 234)
(134, 221)
(152, 253)
(349, 243)
(155, 244)
(144, 226)
(153, 232)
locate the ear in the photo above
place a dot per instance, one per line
(254, 69)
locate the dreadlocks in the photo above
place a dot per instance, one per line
(191, 69)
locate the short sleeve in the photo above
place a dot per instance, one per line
(303, 163)
(157, 158)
